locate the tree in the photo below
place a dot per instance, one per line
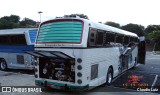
(151, 28)
(110, 23)
(26, 22)
(154, 35)
(5, 25)
(11, 18)
(155, 38)
(8, 22)
(13, 21)
(80, 15)
(135, 28)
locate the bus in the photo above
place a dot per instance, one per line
(78, 54)
(13, 43)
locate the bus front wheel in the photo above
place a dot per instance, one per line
(109, 76)
(3, 65)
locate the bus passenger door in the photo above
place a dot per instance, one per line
(141, 52)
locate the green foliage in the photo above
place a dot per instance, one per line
(80, 15)
(154, 35)
(110, 23)
(151, 28)
(155, 38)
(11, 18)
(8, 22)
(13, 21)
(26, 22)
(135, 28)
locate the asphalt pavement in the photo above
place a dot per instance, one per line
(148, 76)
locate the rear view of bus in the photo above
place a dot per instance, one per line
(13, 43)
(57, 48)
(78, 54)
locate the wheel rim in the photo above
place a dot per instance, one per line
(3, 65)
(109, 78)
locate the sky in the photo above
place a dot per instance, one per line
(143, 12)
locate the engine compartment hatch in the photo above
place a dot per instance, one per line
(53, 54)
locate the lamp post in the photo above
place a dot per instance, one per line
(40, 15)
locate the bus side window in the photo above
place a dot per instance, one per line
(4, 40)
(100, 38)
(92, 37)
(126, 40)
(13, 40)
(18, 40)
(107, 37)
(112, 38)
(131, 39)
(119, 39)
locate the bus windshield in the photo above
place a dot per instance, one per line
(60, 32)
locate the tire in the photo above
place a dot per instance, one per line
(109, 77)
(3, 65)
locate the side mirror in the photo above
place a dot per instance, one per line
(127, 51)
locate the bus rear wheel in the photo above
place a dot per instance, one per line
(109, 77)
(3, 65)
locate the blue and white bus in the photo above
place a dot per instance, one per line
(13, 43)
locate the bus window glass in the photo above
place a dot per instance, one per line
(4, 40)
(112, 37)
(17, 40)
(60, 32)
(131, 39)
(119, 39)
(99, 38)
(92, 37)
(126, 40)
(12, 40)
(32, 35)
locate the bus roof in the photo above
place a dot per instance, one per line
(112, 29)
(15, 31)
(100, 26)
(109, 28)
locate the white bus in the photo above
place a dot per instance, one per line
(13, 43)
(78, 54)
